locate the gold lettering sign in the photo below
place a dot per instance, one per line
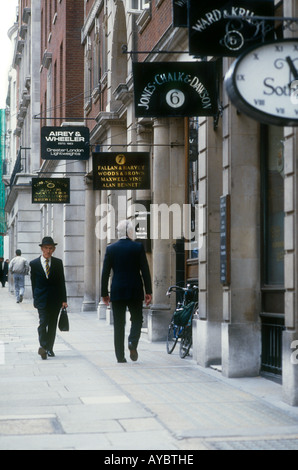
(50, 190)
(116, 171)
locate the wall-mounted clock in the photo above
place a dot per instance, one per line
(263, 82)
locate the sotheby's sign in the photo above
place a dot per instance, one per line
(65, 143)
(166, 89)
(226, 27)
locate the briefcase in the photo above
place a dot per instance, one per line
(63, 323)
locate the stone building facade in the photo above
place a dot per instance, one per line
(23, 146)
(61, 103)
(200, 160)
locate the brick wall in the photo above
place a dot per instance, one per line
(61, 36)
(161, 20)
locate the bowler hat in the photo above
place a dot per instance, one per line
(48, 241)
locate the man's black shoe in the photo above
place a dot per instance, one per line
(42, 352)
(133, 352)
(122, 361)
(51, 354)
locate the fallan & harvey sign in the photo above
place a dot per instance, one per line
(166, 89)
(215, 28)
(65, 143)
(119, 171)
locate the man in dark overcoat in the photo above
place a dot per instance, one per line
(131, 276)
(49, 294)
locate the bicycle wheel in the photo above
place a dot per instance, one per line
(186, 342)
(172, 338)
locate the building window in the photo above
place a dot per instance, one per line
(61, 86)
(135, 6)
(272, 259)
(96, 54)
(273, 206)
(193, 177)
(88, 73)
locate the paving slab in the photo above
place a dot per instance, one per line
(84, 400)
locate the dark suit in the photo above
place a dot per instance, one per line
(3, 272)
(48, 296)
(127, 259)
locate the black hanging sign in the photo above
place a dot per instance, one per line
(121, 171)
(212, 31)
(65, 143)
(180, 13)
(50, 190)
(167, 89)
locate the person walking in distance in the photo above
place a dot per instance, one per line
(127, 259)
(19, 268)
(49, 294)
(3, 271)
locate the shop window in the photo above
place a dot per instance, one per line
(193, 178)
(272, 309)
(273, 206)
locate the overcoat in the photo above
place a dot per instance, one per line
(131, 275)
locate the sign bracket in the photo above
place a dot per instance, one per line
(218, 115)
(153, 51)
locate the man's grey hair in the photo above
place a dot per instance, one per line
(125, 229)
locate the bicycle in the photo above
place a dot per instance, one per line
(180, 326)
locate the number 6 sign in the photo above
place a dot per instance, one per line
(165, 89)
(175, 98)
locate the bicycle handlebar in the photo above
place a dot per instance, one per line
(189, 288)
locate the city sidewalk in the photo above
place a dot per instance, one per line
(84, 400)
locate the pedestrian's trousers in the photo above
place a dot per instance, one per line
(19, 285)
(48, 319)
(136, 317)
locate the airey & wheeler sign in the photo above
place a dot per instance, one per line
(65, 143)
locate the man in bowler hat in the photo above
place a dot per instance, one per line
(131, 276)
(49, 294)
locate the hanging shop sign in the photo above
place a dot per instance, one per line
(121, 171)
(167, 89)
(226, 27)
(180, 13)
(50, 190)
(263, 83)
(65, 143)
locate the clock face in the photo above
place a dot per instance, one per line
(263, 83)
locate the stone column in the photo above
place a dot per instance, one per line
(241, 336)
(207, 327)
(290, 335)
(102, 308)
(144, 138)
(89, 302)
(74, 233)
(168, 188)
